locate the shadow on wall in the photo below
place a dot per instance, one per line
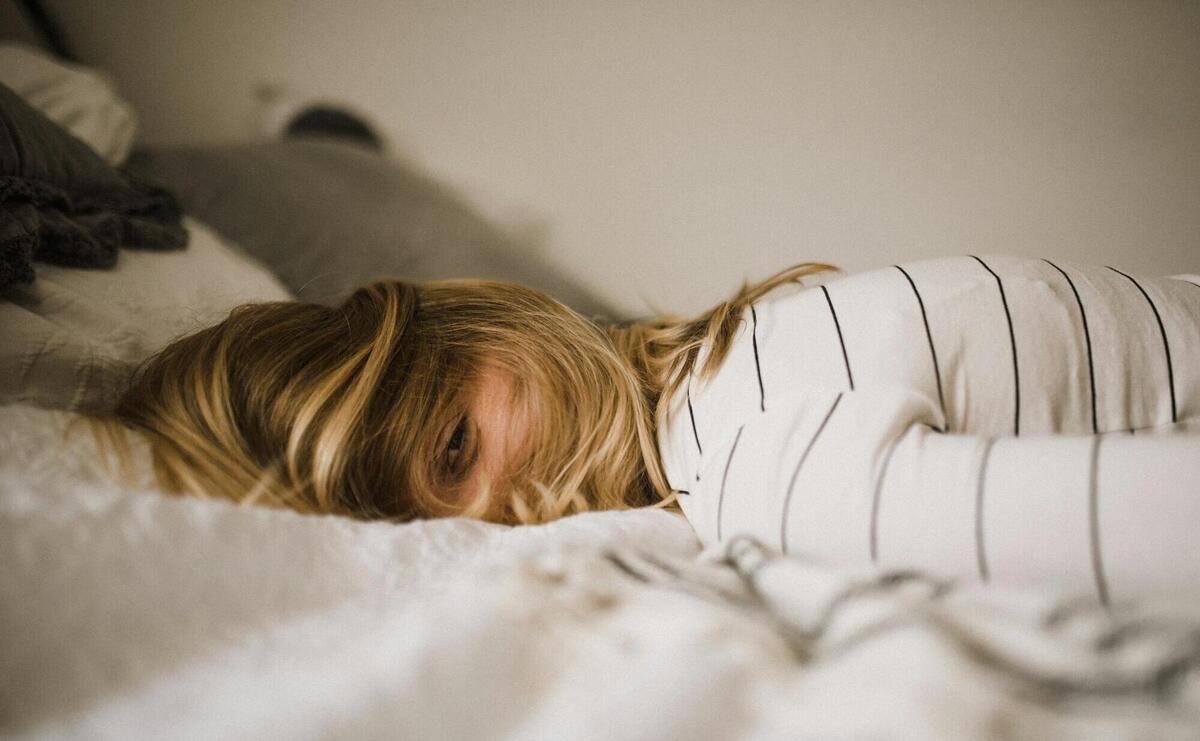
(328, 210)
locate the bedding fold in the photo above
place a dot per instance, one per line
(132, 614)
(61, 203)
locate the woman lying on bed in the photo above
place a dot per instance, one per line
(1008, 417)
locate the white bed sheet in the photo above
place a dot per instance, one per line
(127, 614)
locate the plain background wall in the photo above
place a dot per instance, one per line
(664, 151)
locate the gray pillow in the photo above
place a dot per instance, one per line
(328, 216)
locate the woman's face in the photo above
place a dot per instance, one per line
(489, 440)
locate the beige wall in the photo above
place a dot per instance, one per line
(664, 151)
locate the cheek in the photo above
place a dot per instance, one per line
(478, 498)
(481, 494)
(503, 425)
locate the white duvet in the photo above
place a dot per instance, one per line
(128, 614)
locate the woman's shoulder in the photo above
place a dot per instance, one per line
(945, 269)
(946, 289)
(974, 267)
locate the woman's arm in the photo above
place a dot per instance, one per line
(856, 476)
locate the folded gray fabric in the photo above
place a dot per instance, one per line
(61, 203)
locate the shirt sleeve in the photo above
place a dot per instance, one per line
(865, 475)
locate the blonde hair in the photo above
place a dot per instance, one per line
(346, 410)
(663, 353)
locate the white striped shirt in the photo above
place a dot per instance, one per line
(1005, 418)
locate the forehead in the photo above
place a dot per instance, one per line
(495, 385)
(497, 409)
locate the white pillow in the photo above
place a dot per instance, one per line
(71, 339)
(80, 99)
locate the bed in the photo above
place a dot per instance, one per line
(127, 613)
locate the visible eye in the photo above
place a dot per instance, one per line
(457, 444)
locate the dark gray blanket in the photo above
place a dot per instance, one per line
(61, 203)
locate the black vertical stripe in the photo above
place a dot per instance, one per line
(1094, 523)
(724, 477)
(980, 485)
(937, 373)
(1087, 338)
(1163, 331)
(695, 433)
(762, 395)
(841, 340)
(787, 500)
(1012, 341)
(887, 460)
(692, 415)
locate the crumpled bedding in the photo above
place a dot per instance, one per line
(61, 203)
(126, 613)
